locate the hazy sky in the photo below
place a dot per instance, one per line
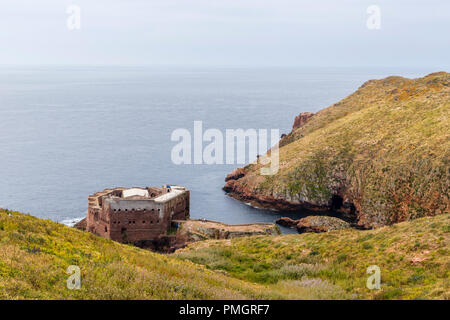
(226, 32)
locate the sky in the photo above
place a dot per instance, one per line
(226, 33)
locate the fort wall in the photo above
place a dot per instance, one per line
(136, 218)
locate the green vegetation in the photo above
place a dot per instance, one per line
(413, 256)
(35, 254)
(385, 147)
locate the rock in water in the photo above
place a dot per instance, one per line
(287, 222)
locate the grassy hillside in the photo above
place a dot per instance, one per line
(384, 149)
(35, 254)
(414, 258)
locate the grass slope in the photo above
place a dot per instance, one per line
(35, 254)
(413, 257)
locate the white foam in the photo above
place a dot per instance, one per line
(71, 222)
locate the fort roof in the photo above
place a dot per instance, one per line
(169, 195)
(133, 192)
(154, 194)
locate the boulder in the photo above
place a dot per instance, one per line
(287, 222)
(321, 224)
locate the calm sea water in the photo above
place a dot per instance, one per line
(67, 132)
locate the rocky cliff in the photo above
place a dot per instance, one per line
(380, 155)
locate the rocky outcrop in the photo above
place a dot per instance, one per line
(81, 225)
(380, 156)
(301, 119)
(197, 230)
(287, 222)
(314, 224)
(320, 224)
(247, 194)
(236, 174)
(240, 191)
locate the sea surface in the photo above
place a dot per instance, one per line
(67, 132)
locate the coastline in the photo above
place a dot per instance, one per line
(356, 158)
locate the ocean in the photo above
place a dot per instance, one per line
(67, 132)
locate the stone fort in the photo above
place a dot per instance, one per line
(136, 215)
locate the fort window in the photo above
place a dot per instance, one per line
(106, 229)
(143, 222)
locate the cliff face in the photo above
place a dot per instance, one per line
(381, 155)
